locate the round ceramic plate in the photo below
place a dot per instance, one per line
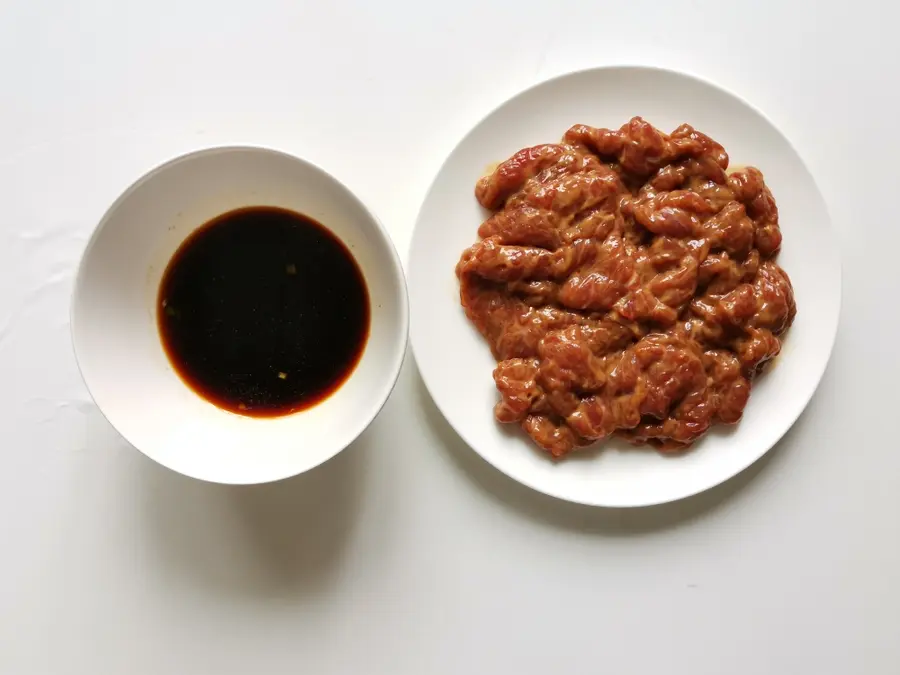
(455, 361)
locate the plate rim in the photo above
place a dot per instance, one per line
(829, 227)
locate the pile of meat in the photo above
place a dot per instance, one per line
(627, 286)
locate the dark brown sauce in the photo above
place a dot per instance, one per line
(263, 311)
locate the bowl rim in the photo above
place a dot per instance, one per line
(395, 267)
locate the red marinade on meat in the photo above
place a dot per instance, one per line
(626, 283)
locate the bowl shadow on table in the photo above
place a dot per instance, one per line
(601, 520)
(273, 540)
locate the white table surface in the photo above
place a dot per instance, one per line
(407, 554)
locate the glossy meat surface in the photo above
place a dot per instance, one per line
(627, 286)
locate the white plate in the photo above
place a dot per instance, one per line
(455, 361)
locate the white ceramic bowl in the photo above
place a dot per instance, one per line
(117, 343)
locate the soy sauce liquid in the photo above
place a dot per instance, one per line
(263, 311)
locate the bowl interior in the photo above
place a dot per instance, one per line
(117, 342)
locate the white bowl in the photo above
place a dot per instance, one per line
(117, 342)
